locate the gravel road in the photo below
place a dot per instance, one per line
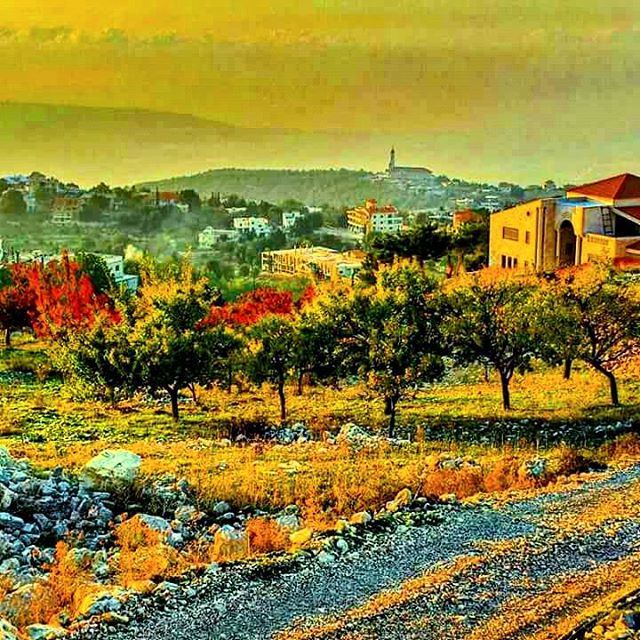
(483, 572)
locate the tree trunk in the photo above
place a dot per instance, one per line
(7, 338)
(391, 407)
(486, 372)
(194, 393)
(300, 382)
(283, 403)
(506, 395)
(175, 409)
(613, 384)
(567, 368)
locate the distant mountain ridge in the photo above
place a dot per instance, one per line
(126, 146)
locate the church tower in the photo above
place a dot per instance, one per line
(392, 160)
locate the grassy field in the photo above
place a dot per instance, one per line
(53, 425)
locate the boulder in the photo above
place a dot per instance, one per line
(300, 537)
(326, 558)
(230, 543)
(354, 435)
(44, 632)
(288, 521)
(113, 468)
(155, 523)
(6, 497)
(402, 499)
(101, 601)
(362, 517)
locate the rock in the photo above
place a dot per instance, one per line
(186, 514)
(7, 630)
(288, 521)
(342, 525)
(229, 543)
(342, 545)
(631, 620)
(221, 507)
(113, 468)
(102, 601)
(362, 517)
(325, 558)
(300, 537)
(9, 522)
(155, 523)
(166, 590)
(44, 632)
(354, 435)
(7, 496)
(402, 499)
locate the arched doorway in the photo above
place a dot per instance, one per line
(567, 242)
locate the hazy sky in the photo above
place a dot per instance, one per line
(566, 68)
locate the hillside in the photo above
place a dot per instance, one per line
(315, 187)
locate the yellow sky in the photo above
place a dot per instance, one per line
(424, 66)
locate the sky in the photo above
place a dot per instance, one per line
(488, 72)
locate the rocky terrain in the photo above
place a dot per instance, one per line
(500, 571)
(522, 565)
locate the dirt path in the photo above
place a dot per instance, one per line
(523, 569)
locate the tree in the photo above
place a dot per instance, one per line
(603, 312)
(492, 321)
(17, 303)
(96, 268)
(191, 198)
(12, 203)
(389, 333)
(315, 347)
(272, 354)
(174, 348)
(102, 357)
(65, 299)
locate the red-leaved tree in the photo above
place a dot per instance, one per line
(65, 299)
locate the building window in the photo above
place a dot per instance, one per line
(503, 261)
(527, 237)
(510, 233)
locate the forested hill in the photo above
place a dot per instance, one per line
(316, 187)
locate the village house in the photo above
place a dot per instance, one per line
(209, 237)
(465, 216)
(370, 218)
(252, 224)
(65, 210)
(319, 262)
(595, 221)
(289, 218)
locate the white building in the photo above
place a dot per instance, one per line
(115, 266)
(385, 222)
(251, 224)
(289, 218)
(210, 236)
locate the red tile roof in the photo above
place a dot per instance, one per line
(626, 186)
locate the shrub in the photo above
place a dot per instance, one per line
(265, 536)
(143, 554)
